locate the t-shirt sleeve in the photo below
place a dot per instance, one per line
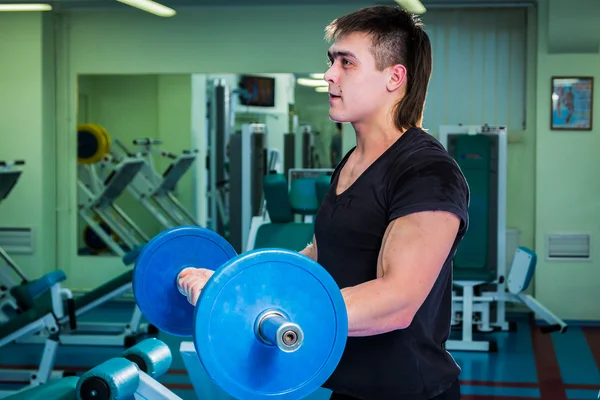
(434, 184)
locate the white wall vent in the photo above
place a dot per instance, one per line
(16, 240)
(568, 246)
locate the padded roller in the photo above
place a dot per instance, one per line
(115, 379)
(152, 356)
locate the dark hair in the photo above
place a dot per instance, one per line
(398, 37)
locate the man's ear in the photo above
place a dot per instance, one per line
(397, 77)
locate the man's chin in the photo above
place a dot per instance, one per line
(335, 117)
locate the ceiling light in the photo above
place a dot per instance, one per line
(150, 6)
(311, 82)
(25, 7)
(412, 6)
(322, 89)
(317, 76)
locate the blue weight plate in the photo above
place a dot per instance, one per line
(159, 263)
(258, 280)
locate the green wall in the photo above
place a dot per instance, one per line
(567, 189)
(551, 177)
(27, 131)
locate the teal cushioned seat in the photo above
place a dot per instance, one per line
(291, 236)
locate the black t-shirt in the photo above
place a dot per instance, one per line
(415, 174)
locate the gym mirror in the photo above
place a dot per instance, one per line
(156, 151)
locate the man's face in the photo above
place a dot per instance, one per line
(357, 90)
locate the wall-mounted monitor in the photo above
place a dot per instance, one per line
(260, 91)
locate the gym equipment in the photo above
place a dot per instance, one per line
(155, 191)
(44, 296)
(261, 315)
(95, 334)
(219, 123)
(93, 143)
(247, 166)
(518, 280)
(96, 195)
(480, 259)
(132, 375)
(302, 195)
(99, 185)
(303, 146)
(303, 189)
(277, 227)
(237, 162)
(10, 172)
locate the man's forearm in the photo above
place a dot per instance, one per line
(374, 308)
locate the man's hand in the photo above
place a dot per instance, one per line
(191, 282)
(310, 250)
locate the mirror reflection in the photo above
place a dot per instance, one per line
(159, 151)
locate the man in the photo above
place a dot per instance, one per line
(395, 213)
(335, 147)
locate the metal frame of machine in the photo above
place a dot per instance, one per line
(155, 191)
(469, 304)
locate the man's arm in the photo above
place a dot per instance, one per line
(311, 249)
(412, 254)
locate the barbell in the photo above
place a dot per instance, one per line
(269, 323)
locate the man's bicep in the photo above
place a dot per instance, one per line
(414, 250)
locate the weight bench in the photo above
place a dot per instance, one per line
(132, 375)
(108, 334)
(288, 235)
(37, 318)
(518, 280)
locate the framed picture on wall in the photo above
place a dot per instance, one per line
(572, 103)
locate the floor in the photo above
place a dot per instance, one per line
(528, 364)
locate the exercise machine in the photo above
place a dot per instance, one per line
(67, 308)
(10, 173)
(37, 302)
(480, 266)
(237, 163)
(521, 272)
(307, 188)
(153, 190)
(219, 122)
(308, 140)
(101, 181)
(300, 195)
(247, 167)
(133, 375)
(96, 199)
